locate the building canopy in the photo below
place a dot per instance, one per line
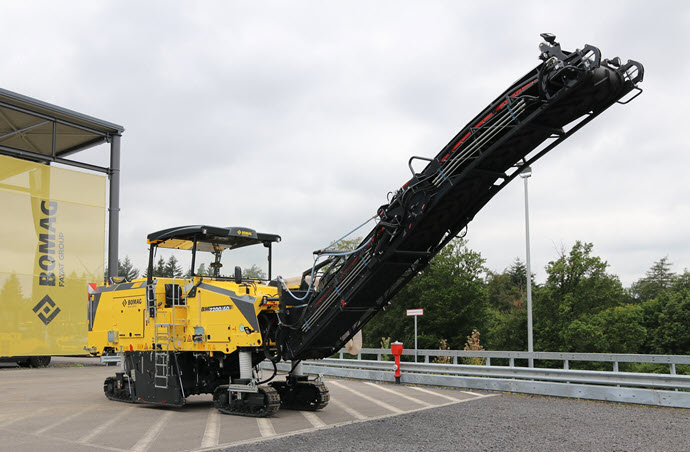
(33, 129)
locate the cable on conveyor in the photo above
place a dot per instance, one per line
(327, 253)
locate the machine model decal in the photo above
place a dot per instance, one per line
(226, 307)
(244, 303)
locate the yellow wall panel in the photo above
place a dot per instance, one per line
(52, 242)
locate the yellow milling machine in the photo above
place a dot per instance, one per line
(175, 335)
(207, 334)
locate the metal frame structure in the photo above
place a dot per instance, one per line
(537, 113)
(34, 130)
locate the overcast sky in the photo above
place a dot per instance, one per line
(297, 118)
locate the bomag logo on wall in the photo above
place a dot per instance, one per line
(46, 260)
(48, 309)
(52, 246)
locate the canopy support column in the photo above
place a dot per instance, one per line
(114, 206)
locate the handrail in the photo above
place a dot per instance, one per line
(551, 356)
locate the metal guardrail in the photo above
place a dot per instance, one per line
(111, 359)
(672, 360)
(669, 390)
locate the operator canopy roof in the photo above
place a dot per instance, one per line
(32, 128)
(209, 238)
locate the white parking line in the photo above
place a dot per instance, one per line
(104, 426)
(212, 432)
(412, 399)
(371, 399)
(476, 394)
(313, 419)
(145, 442)
(12, 420)
(351, 411)
(63, 420)
(265, 427)
(447, 397)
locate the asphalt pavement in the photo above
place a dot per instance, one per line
(62, 408)
(504, 423)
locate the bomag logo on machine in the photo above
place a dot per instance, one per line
(131, 302)
(226, 307)
(244, 233)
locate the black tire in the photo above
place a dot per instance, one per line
(38, 361)
(24, 363)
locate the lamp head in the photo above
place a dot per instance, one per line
(526, 172)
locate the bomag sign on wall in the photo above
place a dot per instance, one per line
(52, 237)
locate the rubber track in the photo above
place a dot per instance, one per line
(313, 401)
(269, 409)
(112, 396)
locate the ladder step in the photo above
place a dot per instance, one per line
(161, 367)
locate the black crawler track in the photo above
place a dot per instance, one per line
(121, 388)
(531, 117)
(302, 395)
(116, 391)
(263, 403)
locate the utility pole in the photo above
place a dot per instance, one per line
(525, 174)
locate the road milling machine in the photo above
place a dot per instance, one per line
(208, 333)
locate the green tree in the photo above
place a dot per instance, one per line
(667, 318)
(158, 268)
(172, 269)
(577, 286)
(12, 299)
(343, 245)
(126, 269)
(507, 300)
(618, 329)
(664, 300)
(681, 281)
(253, 272)
(452, 293)
(657, 280)
(201, 271)
(347, 244)
(12, 289)
(508, 290)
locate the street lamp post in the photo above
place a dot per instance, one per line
(525, 174)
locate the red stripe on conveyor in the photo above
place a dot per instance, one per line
(501, 105)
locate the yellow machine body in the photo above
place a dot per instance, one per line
(176, 337)
(220, 316)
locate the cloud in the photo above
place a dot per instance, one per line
(298, 118)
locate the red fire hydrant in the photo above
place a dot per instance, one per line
(396, 350)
